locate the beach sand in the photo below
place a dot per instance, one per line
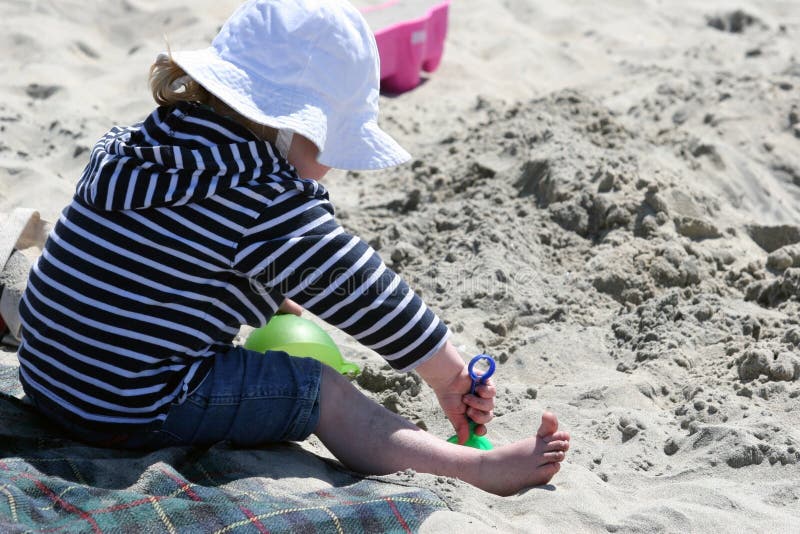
(604, 196)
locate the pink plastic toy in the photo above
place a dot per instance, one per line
(409, 46)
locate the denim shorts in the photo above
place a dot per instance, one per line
(248, 398)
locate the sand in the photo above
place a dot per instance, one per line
(604, 196)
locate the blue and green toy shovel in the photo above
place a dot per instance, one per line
(302, 338)
(475, 441)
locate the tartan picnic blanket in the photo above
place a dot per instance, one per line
(51, 484)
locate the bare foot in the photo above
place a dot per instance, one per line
(529, 462)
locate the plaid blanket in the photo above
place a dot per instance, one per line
(51, 484)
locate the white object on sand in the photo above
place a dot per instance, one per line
(22, 236)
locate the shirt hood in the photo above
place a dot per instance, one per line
(177, 155)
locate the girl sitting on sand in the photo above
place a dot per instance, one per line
(209, 215)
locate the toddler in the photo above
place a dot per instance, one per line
(209, 215)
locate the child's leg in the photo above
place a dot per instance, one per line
(370, 439)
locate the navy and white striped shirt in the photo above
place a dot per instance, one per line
(183, 228)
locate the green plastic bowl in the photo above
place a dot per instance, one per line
(302, 338)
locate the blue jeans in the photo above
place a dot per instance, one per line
(248, 398)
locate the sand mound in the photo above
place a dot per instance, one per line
(616, 218)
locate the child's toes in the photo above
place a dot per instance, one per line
(557, 445)
(548, 426)
(553, 456)
(561, 435)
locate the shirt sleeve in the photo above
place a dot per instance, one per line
(297, 250)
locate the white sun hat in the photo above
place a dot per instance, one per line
(308, 66)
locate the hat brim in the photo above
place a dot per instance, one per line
(362, 146)
(368, 148)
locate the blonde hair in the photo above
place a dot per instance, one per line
(170, 84)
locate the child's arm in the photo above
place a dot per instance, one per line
(297, 251)
(447, 375)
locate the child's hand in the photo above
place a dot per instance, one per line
(290, 306)
(460, 406)
(447, 374)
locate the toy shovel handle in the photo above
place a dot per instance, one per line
(480, 379)
(475, 441)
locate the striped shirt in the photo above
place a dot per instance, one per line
(183, 228)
